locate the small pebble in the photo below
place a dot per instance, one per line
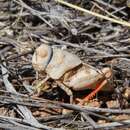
(113, 104)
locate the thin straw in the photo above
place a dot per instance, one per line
(119, 21)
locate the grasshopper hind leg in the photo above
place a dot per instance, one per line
(93, 93)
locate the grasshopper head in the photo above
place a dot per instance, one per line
(41, 57)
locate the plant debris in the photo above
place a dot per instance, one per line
(96, 31)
